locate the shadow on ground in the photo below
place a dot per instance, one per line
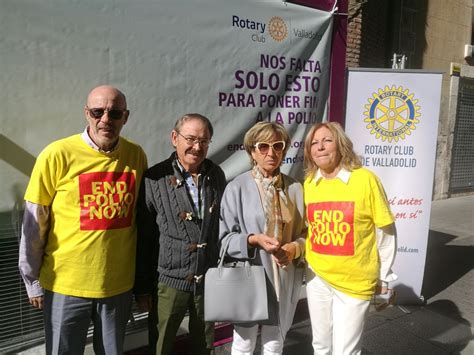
(445, 264)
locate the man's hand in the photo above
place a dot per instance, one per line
(37, 302)
(144, 302)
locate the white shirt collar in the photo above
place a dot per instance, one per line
(342, 175)
(85, 136)
(181, 168)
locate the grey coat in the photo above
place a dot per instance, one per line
(242, 214)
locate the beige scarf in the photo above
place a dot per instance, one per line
(269, 195)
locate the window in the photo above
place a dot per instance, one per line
(21, 325)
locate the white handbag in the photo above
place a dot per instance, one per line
(235, 292)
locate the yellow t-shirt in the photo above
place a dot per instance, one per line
(90, 251)
(341, 246)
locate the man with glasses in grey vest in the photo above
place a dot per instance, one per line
(178, 210)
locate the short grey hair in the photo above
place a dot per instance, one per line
(193, 116)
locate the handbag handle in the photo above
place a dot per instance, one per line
(223, 251)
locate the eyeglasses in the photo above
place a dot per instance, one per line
(264, 147)
(114, 114)
(193, 140)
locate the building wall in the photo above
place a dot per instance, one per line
(367, 34)
(354, 34)
(432, 33)
(448, 29)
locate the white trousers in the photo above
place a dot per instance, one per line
(245, 339)
(337, 320)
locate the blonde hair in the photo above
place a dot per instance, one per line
(349, 159)
(262, 132)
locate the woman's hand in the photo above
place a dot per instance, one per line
(267, 243)
(285, 254)
(381, 289)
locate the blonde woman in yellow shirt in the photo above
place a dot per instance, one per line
(350, 245)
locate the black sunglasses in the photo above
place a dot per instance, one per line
(114, 114)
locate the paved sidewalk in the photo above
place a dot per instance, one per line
(444, 325)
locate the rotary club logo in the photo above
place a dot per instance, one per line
(277, 28)
(392, 113)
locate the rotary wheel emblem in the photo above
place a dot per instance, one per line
(277, 28)
(392, 113)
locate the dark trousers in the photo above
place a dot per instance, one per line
(67, 319)
(172, 307)
(153, 324)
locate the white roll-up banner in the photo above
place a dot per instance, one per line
(392, 118)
